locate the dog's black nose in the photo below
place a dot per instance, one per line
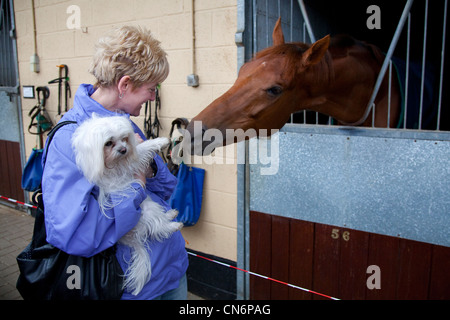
(123, 150)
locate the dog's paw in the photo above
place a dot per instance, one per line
(171, 214)
(166, 230)
(161, 142)
(176, 226)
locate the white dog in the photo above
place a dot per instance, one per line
(109, 156)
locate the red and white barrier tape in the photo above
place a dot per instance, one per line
(18, 202)
(215, 261)
(264, 277)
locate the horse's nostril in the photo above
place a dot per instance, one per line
(196, 129)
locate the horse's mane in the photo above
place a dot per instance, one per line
(322, 71)
(340, 46)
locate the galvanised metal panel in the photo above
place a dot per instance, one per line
(381, 181)
(9, 121)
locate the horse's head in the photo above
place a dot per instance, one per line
(268, 89)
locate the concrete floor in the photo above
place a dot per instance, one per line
(16, 228)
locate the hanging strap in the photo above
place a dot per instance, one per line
(59, 81)
(178, 122)
(151, 129)
(38, 114)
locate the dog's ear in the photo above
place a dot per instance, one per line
(88, 144)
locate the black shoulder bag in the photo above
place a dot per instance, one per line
(47, 273)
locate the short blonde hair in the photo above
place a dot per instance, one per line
(129, 51)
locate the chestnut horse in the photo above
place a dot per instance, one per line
(334, 76)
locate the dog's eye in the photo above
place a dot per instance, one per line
(109, 144)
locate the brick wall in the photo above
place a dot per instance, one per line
(170, 22)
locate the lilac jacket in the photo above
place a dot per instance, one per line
(74, 222)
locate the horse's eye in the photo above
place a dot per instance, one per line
(109, 144)
(274, 91)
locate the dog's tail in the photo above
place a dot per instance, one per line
(139, 270)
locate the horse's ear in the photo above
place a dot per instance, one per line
(277, 35)
(316, 52)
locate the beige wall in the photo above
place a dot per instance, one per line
(170, 22)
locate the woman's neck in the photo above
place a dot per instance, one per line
(107, 97)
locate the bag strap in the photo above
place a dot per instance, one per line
(50, 136)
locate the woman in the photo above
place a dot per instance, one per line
(128, 65)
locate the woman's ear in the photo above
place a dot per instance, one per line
(124, 85)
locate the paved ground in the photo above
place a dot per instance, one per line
(16, 228)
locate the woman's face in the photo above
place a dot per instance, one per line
(133, 99)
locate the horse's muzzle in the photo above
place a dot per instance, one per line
(194, 138)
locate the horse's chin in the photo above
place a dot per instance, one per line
(194, 147)
(205, 148)
(200, 141)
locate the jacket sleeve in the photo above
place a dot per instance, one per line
(73, 219)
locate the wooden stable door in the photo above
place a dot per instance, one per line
(10, 170)
(10, 127)
(334, 261)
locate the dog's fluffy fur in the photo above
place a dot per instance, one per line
(107, 153)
